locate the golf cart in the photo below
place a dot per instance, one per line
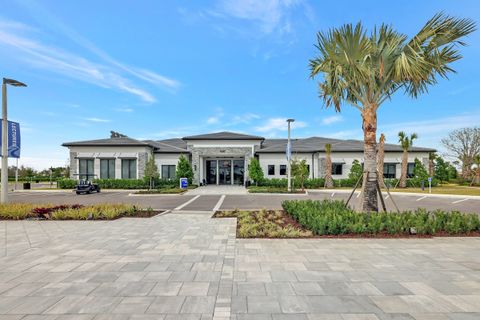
(85, 185)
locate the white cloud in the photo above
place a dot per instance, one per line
(245, 118)
(279, 124)
(270, 15)
(332, 119)
(125, 109)
(213, 120)
(98, 120)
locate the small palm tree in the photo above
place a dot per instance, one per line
(406, 142)
(328, 166)
(381, 159)
(365, 69)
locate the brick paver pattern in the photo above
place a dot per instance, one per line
(189, 266)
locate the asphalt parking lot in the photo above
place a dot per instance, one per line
(245, 201)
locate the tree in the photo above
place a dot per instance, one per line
(405, 142)
(476, 171)
(328, 166)
(184, 169)
(255, 171)
(364, 70)
(452, 171)
(300, 171)
(431, 163)
(356, 171)
(381, 159)
(151, 170)
(441, 170)
(464, 144)
(419, 171)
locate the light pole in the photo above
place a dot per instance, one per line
(4, 175)
(289, 157)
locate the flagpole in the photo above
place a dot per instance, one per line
(16, 174)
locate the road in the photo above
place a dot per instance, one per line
(247, 201)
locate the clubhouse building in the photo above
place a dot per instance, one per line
(222, 158)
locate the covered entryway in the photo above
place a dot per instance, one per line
(224, 171)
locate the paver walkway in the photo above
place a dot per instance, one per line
(188, 266)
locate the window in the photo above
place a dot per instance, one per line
(337, 168)
(271, 170)
(389, 170)
(129, 168)
(85, 169)
(107, 168)
(410, 167)
(168, 172)
(308, 169)
(283, 169)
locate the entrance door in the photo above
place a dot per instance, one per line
(238, 171)
(224, 171)
(211, 171)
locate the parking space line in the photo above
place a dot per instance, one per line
(458, 201)
(219, 203)
(333, 193)
(388, 196)
(358, 195)
(180, 207)
(421, 198)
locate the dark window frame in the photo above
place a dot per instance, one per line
(169, 171)
(387, 170)
(410, 169)
(132, 172)
(110, 168)
(271, 169)
(335, 170)
(88, 174)
(283, 169)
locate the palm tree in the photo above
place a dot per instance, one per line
(381, 159)
(328, 166)
(431, 165)
(364, 70)
(406, 142)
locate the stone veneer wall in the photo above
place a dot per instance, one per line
(73, 164)
(141, 163)
(217, 152)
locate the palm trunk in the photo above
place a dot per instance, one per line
(370, 200)
(328, 171)
(403, 176)
(381, 159)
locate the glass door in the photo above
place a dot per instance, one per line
(211, 171)
(238, 171)
(224, 171)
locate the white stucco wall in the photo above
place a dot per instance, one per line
(346, 158)
(166, 159)
(110, 152)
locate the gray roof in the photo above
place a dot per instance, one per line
(120, 141)
(224, 135)
(305, 145)
(317, 144)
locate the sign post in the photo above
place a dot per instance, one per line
(429, 184)
(183, 183)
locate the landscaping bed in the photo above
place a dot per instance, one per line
(165, 191)
(26, 211)
(265, 224)
(332, 219)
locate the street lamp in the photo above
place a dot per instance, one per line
(4, 175)
(289, 157)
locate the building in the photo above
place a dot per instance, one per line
(223, 157)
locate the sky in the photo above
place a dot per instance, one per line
(161, 69)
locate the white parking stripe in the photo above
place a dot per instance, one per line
(358, 195)
(388, 196)
(421, 198)
(333, 194)
(458, 201)
(180, 207)
(219, 203)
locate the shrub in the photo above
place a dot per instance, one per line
(66, 183)
(333, 217)
(184, 169)
(15, 211)
(255, 171)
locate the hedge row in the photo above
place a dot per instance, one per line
(329, 217)
(120, 183)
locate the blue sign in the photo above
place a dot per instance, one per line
(13, 139)
(183, 183)
(429, 179)
(288, 152)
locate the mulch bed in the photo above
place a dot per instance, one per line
(287, 220)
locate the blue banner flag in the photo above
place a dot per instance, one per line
(13, 139)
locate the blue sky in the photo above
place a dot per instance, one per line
(159, 69)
